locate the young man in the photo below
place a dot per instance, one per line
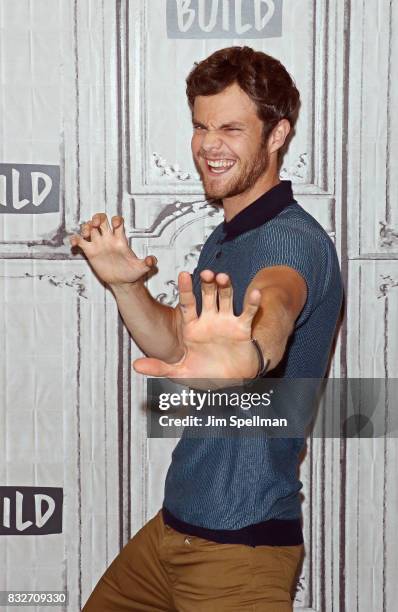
(229, 534)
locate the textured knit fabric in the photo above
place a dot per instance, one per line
(230, 483)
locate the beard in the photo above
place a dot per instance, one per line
(244, 178)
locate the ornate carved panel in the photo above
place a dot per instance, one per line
(371, 474)
(60, 104)
(372, 130)
(59, 421)
(157, 124)
(372, 313)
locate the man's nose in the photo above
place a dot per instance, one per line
(211, 140)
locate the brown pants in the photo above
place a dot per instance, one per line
(162, 570)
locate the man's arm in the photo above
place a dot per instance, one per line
(154, 327)
(217, 343)
(283, 296)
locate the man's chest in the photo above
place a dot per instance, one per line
(230, 260)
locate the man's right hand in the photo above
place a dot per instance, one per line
(108, 252)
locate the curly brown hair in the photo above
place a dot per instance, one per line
(262, 77)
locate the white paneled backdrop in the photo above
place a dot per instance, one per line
(97, 88)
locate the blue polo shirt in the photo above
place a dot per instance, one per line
(243, 489)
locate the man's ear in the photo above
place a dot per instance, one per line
(278, 136)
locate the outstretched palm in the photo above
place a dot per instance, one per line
(217, 343)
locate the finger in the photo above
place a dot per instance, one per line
(187, 301)
(251, 307)
(76, 240)
(150, 261)
(89, 232)
(85, 230)
(225, 293)
(147, 263)
(95, 234)
(118, 226)
(153, 367)
(100, 221)
(209, 291)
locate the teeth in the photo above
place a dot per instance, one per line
(220, 163)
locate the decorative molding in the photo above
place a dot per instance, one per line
(139, 115)
(388, 235)
(171, 212)
(193, 255)
(71, 351)
(389, 283)
(173, 170)
(297, 172)
(74, 281)
(81, 181)
(301, 584)
(371, 130)
(170, 296)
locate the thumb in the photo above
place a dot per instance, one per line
(150, 261)
(152, 367)
(251, 307)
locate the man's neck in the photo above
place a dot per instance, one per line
(232, 206)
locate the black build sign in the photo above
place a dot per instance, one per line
(224, 18)
(29, 189)
(30, 510)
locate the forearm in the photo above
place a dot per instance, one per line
(274, 325)
(153, 326)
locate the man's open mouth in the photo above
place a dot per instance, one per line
(219, 166)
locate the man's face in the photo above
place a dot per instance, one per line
(227, 144)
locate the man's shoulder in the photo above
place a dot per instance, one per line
(296, 225)
(296, 217)
(296, 239)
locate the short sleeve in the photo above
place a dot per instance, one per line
(305, 248)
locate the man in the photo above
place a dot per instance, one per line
(229, 534)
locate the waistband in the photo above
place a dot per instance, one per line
(274, 532)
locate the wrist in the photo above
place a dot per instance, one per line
(126, 288)
(263, 362)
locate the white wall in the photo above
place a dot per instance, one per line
(96, 88)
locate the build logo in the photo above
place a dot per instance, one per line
(30, 510)
(224, 18)
(29, 189)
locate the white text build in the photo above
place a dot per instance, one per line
(29, 188)
(30, 510)
(224, 18)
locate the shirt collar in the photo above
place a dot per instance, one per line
(265, 208)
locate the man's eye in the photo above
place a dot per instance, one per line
(232, 129)
(198, 127)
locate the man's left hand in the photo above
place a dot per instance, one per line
(217, 343)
